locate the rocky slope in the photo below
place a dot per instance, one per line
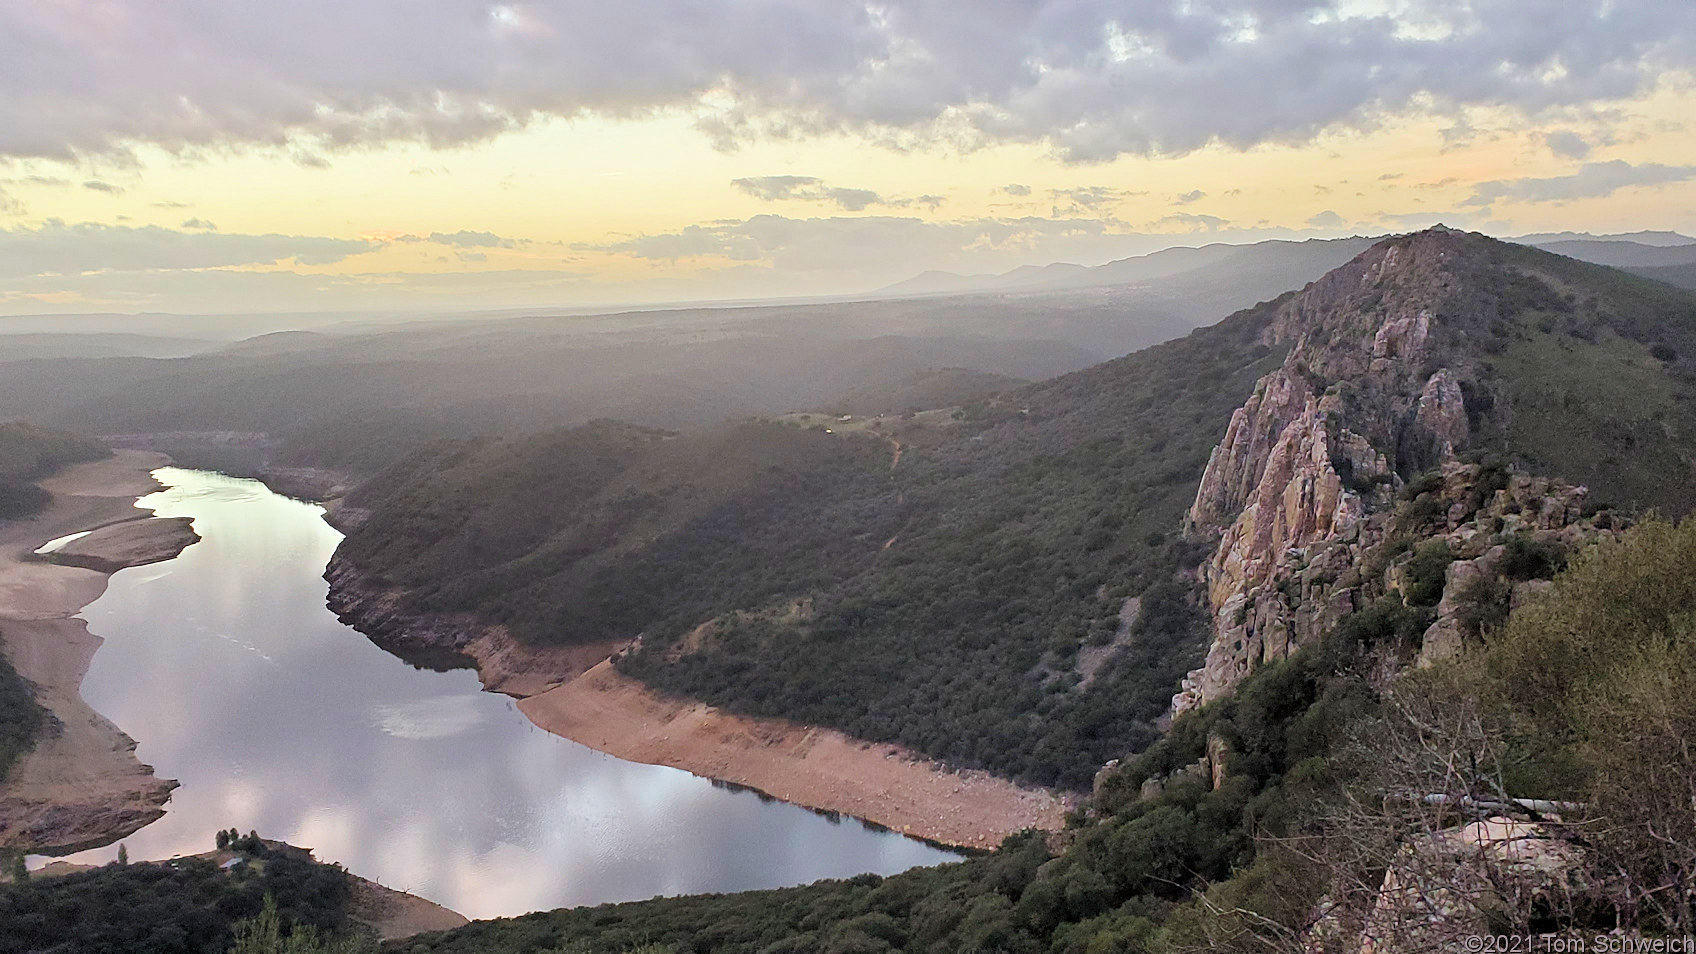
(1307, 502)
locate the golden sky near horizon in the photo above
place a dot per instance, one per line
(577, 194)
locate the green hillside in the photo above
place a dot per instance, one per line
(1684, 276)
(1599, 379)
(951, 594)
(943, 387)
(1164, 862)
(950, 598)
(29, 453)
(184, 906)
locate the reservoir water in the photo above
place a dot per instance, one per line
(226, 667)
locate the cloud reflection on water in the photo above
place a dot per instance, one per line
(235, 679)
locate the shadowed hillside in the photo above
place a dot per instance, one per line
(951, 598)
(1403, 413)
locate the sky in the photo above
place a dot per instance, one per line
(221, 156)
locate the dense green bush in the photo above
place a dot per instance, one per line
(29, 453)
(185, 906)
(21, 717)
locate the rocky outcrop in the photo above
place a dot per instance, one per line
(1302, 499)
(1443, 888)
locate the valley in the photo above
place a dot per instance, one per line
(1126, 625)
(893, 477)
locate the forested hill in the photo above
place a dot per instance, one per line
(1015, 593)
(951, 593)
(29, 453)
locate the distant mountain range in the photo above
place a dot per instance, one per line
(1301, 260)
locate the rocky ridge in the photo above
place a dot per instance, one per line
(1314, 500)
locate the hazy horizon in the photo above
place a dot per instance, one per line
(427, 312)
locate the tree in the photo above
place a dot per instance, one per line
(264, 934)
(1598, 678)
(123, 854)
(223, 839)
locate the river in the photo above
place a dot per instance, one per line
(226, 667)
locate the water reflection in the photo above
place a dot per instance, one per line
(236, 680)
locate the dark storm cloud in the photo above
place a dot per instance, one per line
(1593, 180)
(55, 247)
(1094, 78)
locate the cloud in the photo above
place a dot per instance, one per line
(807, 189)
(61, 267)
(1194, 195)
(1192, 222)
(236, 291)
(1017, 188)
(861, 250)
(200, 224)
(1593, 180)
(896, 244)
(1326, 220)
(98, 186)
(55, 247)
(1087, 199)
(464, 238)
(1567, 144)
(468, 239)
(10, 205)
(1091, 79)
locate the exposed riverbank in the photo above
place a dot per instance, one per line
(81, 785)
(576, 693)
(816, 767)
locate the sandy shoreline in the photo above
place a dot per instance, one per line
(82, 785)
(575, 692)
(814, 767)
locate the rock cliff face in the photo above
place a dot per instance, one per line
(1306, 498)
